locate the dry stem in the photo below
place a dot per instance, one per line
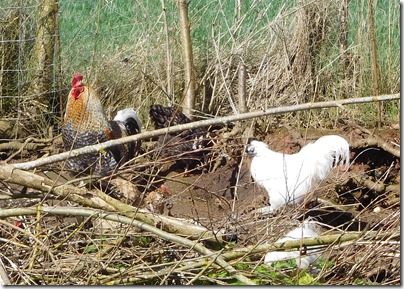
(202, 123)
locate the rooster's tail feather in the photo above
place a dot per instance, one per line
(130, 119)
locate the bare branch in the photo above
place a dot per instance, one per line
(214, 121)
(129, 221)
(242, 103)
(102, 201)
(189, 101)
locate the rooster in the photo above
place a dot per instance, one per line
(287, 178)
(85, 124)
(190, 146)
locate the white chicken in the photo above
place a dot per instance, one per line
(287, 178)
(304, 258)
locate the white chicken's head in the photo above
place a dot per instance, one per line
(256, 148)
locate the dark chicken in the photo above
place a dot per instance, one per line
(189, 147)
(85, 124)
(166, 116)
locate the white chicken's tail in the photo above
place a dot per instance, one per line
(339, 147)
(328, 152)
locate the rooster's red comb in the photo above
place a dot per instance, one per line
(77, 78)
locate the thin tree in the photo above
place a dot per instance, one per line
(188, 102)
(42, 60)
(343, 35)
(375, 72)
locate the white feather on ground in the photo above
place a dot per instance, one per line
(287, 178)
(309, 229)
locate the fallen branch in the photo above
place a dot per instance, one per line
(377, 142)
(222, 260)
(170, 224)
(9, 173)
(102, 201)
(87, 212)
(203, 123)
(17, 145)
(240, 253)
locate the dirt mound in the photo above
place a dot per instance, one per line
(222, 198)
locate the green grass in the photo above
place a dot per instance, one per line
(92, 30)
(98, 37)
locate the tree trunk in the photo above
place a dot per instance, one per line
(375, 73)
(188, 102)
(42, 59)
(9, 27)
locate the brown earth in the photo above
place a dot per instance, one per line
(208, 197)
(367, 197)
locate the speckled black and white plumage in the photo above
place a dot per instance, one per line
(188, 147)
(108, 160)
(166, 116)
(100, 163)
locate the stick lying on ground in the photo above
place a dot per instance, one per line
(202, 123)
(102, 201)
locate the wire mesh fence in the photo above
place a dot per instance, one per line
(131, 51)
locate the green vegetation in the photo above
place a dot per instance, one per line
(280, 273)
(291, 51)
(123, 45)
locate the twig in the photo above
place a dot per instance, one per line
(4, 280)
(379, 187)
(129, 221)
(239, 253)
(212, 260)
(102, 201)
(203, 123)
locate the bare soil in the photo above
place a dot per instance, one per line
(209, 197)
(225, 197)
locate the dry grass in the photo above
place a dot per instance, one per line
(63, 251)
(290, 59)
(91, 251)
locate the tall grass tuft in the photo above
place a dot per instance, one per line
(290, 51)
